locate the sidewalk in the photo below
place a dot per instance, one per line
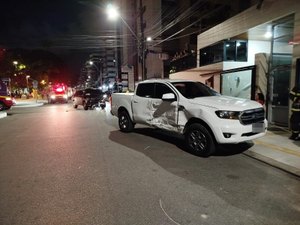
(276, 149)
(25, 103)
(29, 102)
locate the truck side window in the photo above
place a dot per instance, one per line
(161, 89)
(145, 90)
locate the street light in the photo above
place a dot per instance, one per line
(113, 14)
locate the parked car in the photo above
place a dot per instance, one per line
(89, 98)
(6, 102)
(202, 115)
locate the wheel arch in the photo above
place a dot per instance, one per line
(122, 108)
(200, 121)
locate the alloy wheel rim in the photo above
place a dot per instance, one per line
(197, 141)
(123, 122)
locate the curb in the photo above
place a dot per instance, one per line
(3, 114)
(28, 105)
(272, 162)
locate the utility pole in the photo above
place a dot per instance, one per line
(142, 40)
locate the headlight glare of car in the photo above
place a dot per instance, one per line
(233, 115)
(8, 98)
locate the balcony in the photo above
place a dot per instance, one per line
(184, 61)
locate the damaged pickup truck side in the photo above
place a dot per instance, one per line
(192, 109)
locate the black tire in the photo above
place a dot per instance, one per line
(85, 107)
(199, 141)
(2, 106)
(125, 122)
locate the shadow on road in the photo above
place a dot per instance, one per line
(178, 141)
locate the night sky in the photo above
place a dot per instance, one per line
(69, 28)
(49, 23)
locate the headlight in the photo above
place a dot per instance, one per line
(105, 96)
(233, 115)
(8, 98)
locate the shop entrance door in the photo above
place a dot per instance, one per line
(280, 71)
(279, 92)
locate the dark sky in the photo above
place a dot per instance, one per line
(69, 28)
(49, 23)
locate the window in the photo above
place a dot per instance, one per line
(161, 89)
(230, 50)
(241, 51)
(194, 89)
(93, 92)
(233, 50)
(145, 90)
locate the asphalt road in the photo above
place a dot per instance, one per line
(63, 166)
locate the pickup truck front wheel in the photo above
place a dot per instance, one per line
(199, 140)
(125, 123)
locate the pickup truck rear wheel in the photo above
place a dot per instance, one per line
(125, 123)
(199, 140)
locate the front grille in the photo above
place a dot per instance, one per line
(252, 116)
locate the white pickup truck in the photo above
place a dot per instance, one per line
(193, 109)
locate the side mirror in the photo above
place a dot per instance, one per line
(168, 97)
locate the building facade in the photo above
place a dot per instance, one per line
(254, 51)
(172, 26)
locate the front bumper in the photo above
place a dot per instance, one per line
(234, 132)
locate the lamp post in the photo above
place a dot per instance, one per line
(27, 77)
(113, 14)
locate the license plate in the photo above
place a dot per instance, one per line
(258, 127)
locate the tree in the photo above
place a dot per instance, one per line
(39, 64)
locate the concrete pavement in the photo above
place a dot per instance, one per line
(275, 148)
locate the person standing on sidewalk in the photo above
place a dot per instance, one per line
(295, 117)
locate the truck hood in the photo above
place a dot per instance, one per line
(226, 103)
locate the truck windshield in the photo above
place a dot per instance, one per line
(194, 89)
